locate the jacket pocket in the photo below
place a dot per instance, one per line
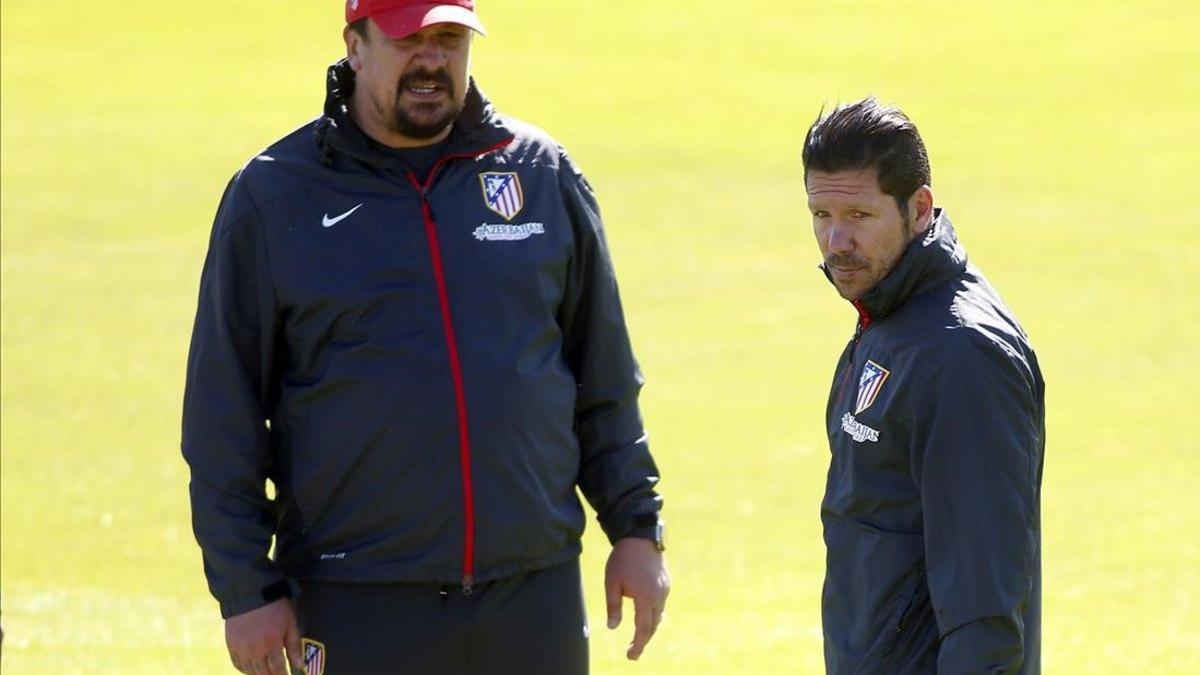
(903, 619)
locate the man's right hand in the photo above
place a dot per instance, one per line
(258, 638)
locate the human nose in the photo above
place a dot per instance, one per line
(430, 51)
(839, 237)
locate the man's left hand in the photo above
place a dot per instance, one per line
(636, 569)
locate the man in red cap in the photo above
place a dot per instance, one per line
(409, 325)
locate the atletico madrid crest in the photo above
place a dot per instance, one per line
(869, 384)
(502, 192)
(314, 657)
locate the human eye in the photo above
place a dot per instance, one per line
(859, 214)
(406, 42)
(452, 38)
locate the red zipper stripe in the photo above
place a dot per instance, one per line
(864, 320)
(460, 394)
(864, 317)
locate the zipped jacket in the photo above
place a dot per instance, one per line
(424, 367)
(936, 424)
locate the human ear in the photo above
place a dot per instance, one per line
(353, 46)
(921, 209)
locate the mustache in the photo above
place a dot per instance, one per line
(844, 260)
(439, 77)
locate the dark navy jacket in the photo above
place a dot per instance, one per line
(425, 367)
(931, 513)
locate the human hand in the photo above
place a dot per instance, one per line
(258, 638)
(636, 569)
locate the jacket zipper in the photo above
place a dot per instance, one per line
(864, 320)
(460, 397)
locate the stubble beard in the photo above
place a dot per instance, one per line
(872, 273)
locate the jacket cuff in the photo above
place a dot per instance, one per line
(640, 526)
(283, 588)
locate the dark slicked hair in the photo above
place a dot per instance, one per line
(865, 135)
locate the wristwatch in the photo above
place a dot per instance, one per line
(660, 533)
(650, 526)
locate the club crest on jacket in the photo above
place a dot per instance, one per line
(869, 384)
(314, 657)
(502, 192)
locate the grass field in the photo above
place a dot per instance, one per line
(1064, 143)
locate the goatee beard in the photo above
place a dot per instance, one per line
(405, 124)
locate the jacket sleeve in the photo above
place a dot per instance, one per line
(617, 474)
(226, 440)
(978, 440)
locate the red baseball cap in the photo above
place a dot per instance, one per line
(401, 18)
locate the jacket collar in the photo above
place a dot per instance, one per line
(476, 128)
(929, 260)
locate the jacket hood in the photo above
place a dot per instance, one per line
(929, 260)
(478, 126)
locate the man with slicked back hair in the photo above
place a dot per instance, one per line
(936, 423)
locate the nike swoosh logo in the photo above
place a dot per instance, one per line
(326, 221)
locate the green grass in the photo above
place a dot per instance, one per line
(1063, 140)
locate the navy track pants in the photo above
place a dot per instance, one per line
(528, 624)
